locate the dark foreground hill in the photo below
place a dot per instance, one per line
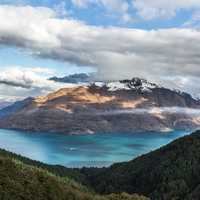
(169, 173)
(172, 172)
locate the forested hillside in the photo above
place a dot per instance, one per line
(172, 172)
(19, 181)
(169, 173)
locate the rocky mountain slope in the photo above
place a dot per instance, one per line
(121, 106)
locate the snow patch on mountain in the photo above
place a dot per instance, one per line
(133, 84)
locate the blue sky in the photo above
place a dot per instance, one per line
(93, 14)
(116, 38)
(101, 15)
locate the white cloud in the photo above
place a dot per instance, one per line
(194, 21)
(116, 5)
(25, 77)
(19, 82)
(60, 9)
(115, 52)
(146, 9)
(150, 9)
(126, 18)
(82, 3)
(119, 7)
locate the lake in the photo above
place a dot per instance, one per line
(83, 150)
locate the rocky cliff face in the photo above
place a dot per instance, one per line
(124, 106)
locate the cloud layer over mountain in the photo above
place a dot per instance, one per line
(169, 56)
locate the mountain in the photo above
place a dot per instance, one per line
(4, 104)
(19, 181)
(121, 106)
(74, 78)
(13, 108)
(171, 172)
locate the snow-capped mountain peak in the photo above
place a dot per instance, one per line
(133, 84)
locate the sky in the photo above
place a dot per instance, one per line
(158, 40)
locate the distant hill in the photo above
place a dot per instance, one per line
(121, 106)
(15, 107)
(4, 104)
(74, 78)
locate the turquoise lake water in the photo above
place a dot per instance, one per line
(83, 150)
